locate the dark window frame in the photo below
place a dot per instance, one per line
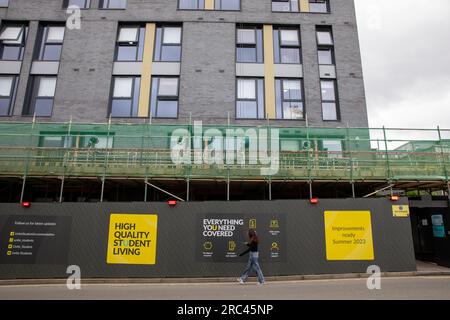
(199, 2)
(159, 98)
(255, 46)
(328, 29)
(21, 46)
(327, 3)
(326, 48)
(279, 46)
(32, 97)
(218, 6)
(290, 6)
(139, 45)
(258, 116)
(41, 42)
(131, 98)
(282, 99)
(335, 101)
(87, 4)
(160, 44)
(104, 5)
(12, 93)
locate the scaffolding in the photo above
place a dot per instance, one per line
(145, 151)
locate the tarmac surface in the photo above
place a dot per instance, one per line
(417, 287)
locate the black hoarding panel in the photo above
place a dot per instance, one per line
(292, 235)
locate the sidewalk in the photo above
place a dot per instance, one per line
(430, 267)
(423, 269)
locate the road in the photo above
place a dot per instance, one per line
(391, 288)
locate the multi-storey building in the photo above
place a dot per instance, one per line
(144, 68)
(101, 101)
(248, 61)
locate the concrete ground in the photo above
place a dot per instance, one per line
(430, 287)
(429, 282)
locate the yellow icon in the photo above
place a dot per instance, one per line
(274, 224)
(252, 224)
(10, 246)
(9, 253)
(207, 245)
(231, 245)
(11, 239)
(11, 234)
(274, 246)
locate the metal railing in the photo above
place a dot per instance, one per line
(144, 150)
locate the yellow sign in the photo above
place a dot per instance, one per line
(132, 239)
(400, 211)
(252, 224)
(231, 245)
(348, 235)
(274, 224)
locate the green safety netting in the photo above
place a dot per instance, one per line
(144, 150)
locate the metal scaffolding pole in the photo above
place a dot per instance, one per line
(103, 189)
(166, 192)
(145, 189)
(27, 163)
(187, 189)
(62, 190)
(448, 190)
(24, 180)
(353, 189)
(270, 189)
(106, 160)
(442, 153)
(61, 193)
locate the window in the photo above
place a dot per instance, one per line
(250, 98)
(78, 140)
(325, 46)
(289, 99)
(286, 45)
(113, 4)
(191, 4)
(285, 5)
(130, 43)
(40, 96)
(249, 44)
(329, 100)
(324, 36)
(290, 145)
(12, 41)
(82, 4)
(223, 5)
(8, 88)
(326, 56)
(51, 44)
(125, 97)
(164, 97)
(319, 6)
(334, 147)
(4, 3)
(168, 44)
(227, 5)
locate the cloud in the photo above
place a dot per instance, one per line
(405, 49)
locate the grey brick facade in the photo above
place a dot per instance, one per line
(208, 76)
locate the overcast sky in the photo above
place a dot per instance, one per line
(405, 48)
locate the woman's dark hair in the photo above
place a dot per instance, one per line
(253, 236)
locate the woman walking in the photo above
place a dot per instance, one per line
(253, 259)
